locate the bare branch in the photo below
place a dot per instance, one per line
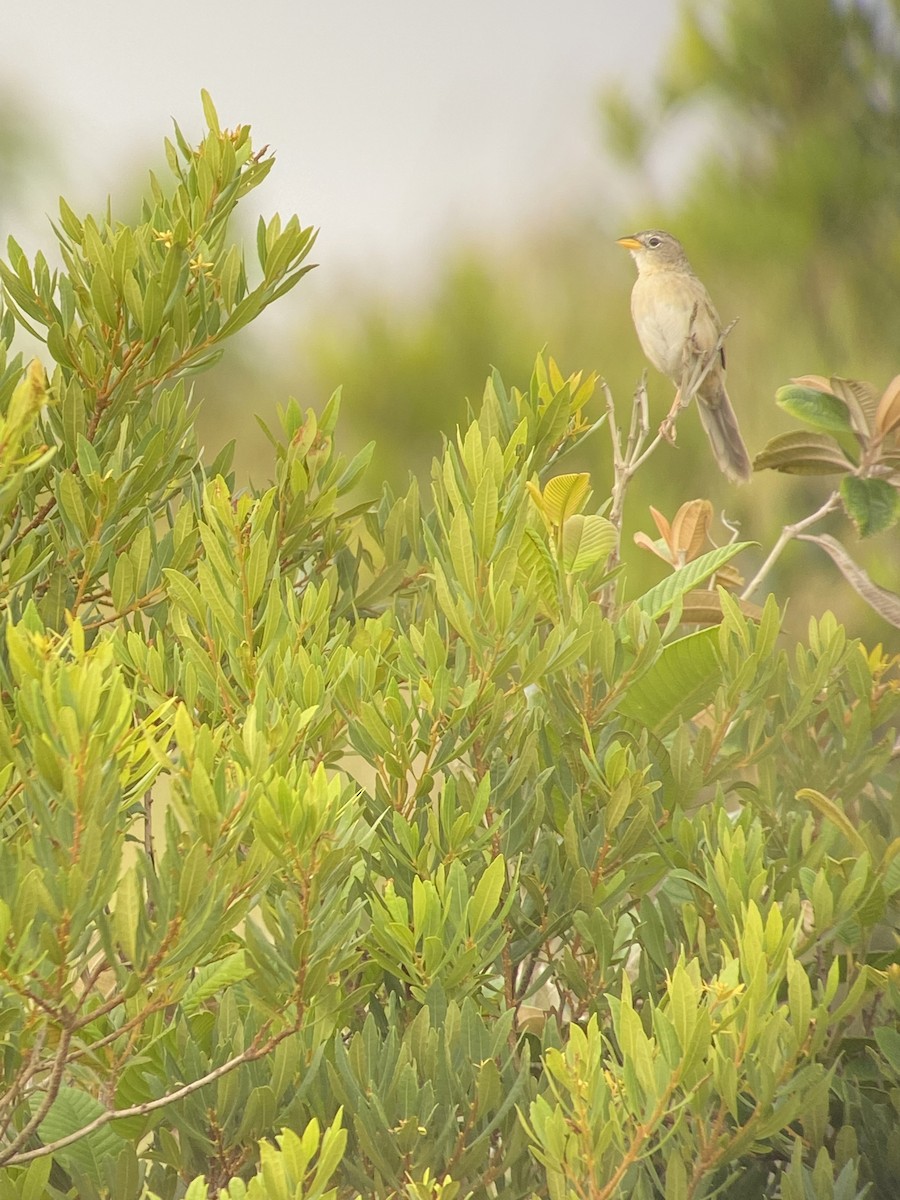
(253, 1052)
(788, 533)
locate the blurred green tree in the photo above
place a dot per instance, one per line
(26, 149)
(801, 112)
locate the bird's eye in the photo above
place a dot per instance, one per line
(654, 242)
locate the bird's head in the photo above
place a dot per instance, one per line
(655, 250)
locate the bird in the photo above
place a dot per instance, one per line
(678, 329)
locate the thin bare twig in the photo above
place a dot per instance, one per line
(253, 1052)
(9, 1155)
(788, 533)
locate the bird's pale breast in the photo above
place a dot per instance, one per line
(662, 304)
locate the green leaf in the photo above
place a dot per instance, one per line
(71, 501)
(215, 978)
(69, 221)
(872, 504)
(676, 1177)
(484, 903)
(151, 310)
(888, 1041)
(209, 112)
(564, 495)
(127, 913)
(72, 1110)
(587, 541)
(104, 297)
(802, 453)
(484, 515)
(684, 1001)
(822, 411)
(58, 346)
(660, 599)
(836, 815)
(537, 565)
(682, 680)
(461, 552)
(185, 594)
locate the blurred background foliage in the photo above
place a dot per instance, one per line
(788, 206)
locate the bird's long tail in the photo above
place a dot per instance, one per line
(724, 434)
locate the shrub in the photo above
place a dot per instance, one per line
(382, 849)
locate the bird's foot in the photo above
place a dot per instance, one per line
(667, 429)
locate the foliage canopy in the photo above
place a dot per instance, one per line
(381, 849)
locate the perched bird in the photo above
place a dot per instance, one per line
(678, 328)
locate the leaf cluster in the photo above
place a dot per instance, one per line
(383, 849)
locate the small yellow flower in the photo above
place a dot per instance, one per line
(199, 264)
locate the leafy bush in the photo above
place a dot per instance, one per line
(382, 849)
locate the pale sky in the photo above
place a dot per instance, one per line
(399, 126)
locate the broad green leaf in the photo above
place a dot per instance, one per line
(587, 541)
(660, 599)
(682, 680)
(872, 504)
(802, 453)
(214, 978)
(564, 495)
(821, 410)
(73, 1109)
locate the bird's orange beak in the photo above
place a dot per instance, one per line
(630, 243)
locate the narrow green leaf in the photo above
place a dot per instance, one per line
(209, 112)
(215, 978)
(484, 902)
(69, 221)
(123, 583)
(888, 1040)
(152, 310)
(461, 552)
(833, 812)
(71, 501)
(104, 297)
(484, 515)
(185, 594)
